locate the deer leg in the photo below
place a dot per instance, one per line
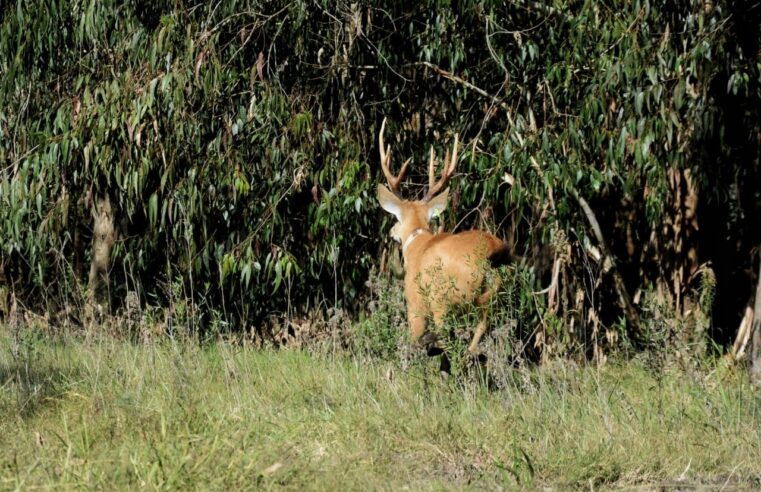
(480, 330)
(431, 340)
(436, 346)
(438, 318)
(417, 324)
(483, 299)
(483, 323)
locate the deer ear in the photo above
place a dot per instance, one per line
(389, 202)
(438, 204)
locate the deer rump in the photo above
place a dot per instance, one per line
(451, 269)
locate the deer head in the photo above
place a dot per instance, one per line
(414, 215)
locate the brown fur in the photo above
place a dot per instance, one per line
(442, 270)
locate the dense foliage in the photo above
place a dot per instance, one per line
(237, 141)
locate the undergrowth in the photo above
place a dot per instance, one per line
(97, 412)
(146, 400)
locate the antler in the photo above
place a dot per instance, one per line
(435, 187)
(385, 159)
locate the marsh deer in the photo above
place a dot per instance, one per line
(441, 270)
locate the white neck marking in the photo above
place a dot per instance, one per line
(413, 235)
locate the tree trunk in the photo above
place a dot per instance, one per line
(755, 344)
(103, 238)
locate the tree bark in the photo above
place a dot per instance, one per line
(755, 344)
(103, 238)
(743, 333)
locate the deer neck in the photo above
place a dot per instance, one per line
(412, 237)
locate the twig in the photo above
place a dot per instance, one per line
(449, 76)
(546, 9)
(19, 159)
(535, 165)
(627, 32)
(265, 217)
(454, 78)
(553, 287)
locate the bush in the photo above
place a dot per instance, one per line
(236, 141)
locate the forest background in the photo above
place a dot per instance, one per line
(215, 164)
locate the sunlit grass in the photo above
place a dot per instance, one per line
(104, 413)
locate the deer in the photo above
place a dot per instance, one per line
(441, 270)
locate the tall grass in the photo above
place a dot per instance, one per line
(100, 413)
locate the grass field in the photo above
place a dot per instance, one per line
(106, 414)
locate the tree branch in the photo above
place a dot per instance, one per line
(454, 78)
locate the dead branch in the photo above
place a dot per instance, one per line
(609, 266)
(743, 334)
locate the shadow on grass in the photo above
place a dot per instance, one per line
(28, 387)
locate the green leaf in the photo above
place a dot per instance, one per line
(153, 209)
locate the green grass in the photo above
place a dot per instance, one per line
(108, 414)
